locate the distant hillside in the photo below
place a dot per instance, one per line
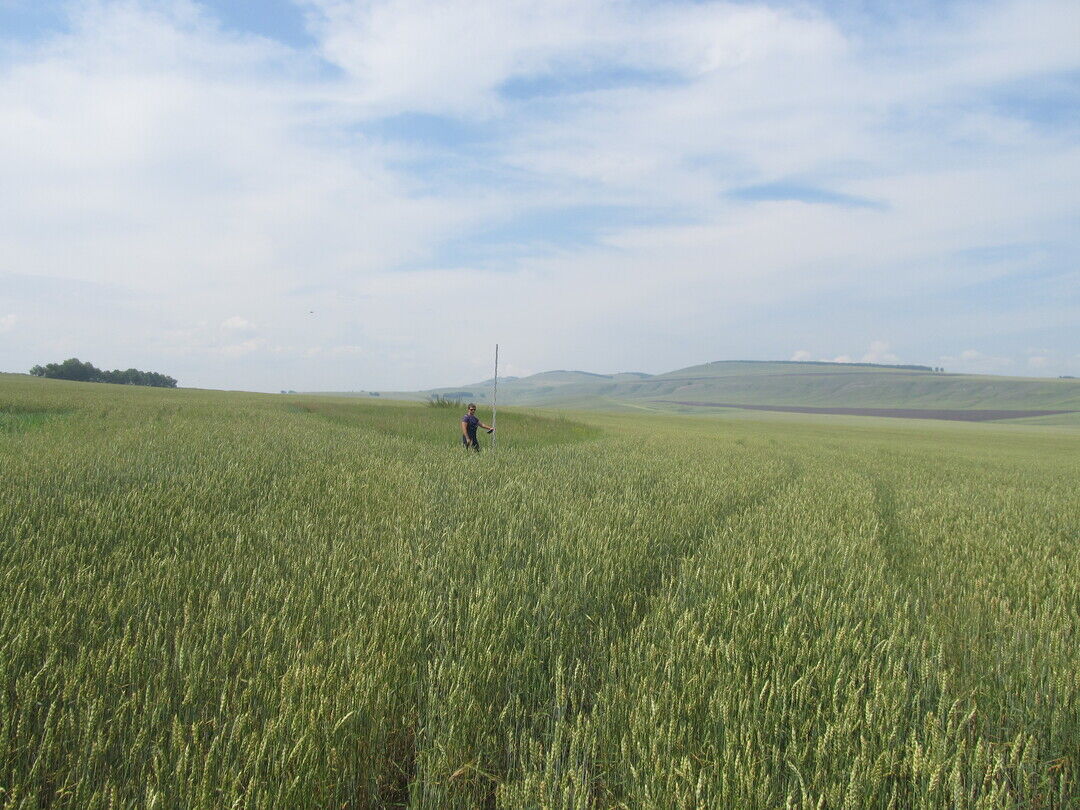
(781, 383)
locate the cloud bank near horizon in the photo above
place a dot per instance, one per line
(333, 194)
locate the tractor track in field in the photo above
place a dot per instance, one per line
(670, 569)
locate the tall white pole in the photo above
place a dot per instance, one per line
(495, 399)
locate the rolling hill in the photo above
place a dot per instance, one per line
(906, 391)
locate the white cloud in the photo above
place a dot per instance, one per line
(879, 353)
(175, 135)
(237, 324)
(514, 370)
(239, 349)
(975, 361)
(7, 322)
(1038, 361)
(453, 55)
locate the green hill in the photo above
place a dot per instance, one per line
(783, 385)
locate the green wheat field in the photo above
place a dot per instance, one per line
(216, 600)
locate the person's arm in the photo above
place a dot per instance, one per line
(465, 430)
(488, 428)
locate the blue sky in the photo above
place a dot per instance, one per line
(336, 194)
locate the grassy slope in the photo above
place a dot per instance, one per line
(780, 384)
(288, 601)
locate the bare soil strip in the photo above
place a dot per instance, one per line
(977, 415)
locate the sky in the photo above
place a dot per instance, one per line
(369, 194)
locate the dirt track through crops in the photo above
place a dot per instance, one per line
(953, 415)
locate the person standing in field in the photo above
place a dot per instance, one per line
(469, 423)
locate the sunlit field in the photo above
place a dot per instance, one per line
(234, 600)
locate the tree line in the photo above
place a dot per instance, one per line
(75, 369)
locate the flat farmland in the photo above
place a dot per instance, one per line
(236, 600)
(943, 414)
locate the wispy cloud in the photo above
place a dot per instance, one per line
(780, 191)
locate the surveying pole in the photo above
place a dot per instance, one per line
(495, 400)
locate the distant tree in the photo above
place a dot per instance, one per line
(70, 369)
(75, 369)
